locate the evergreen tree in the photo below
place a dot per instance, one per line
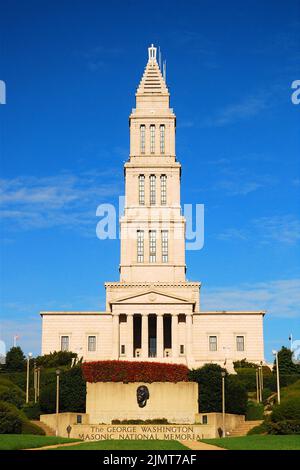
(15, 359)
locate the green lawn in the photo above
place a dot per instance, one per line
(28, 441)
(127, 445)
(258, 442)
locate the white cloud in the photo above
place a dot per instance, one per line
(283, 229)
(280, 298)
(65, 199)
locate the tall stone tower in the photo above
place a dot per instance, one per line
(152, 313)
(152, 267)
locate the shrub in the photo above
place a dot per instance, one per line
(125, 371)
(32, 410)
(291, 426)
(244, 364)
(254, 411)
(140, 421)
(31, 428)
(262, 428)
(267, 392)
(72, 392)
(10, 419)
(235, 396)
(210, 390)
(247, 376)
(289, 409)
(15, 359)
(56, 359)
(12, 394)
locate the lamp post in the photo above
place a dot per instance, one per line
(27, 376)
(38, 376)
(275, 353)
(257, 386)
(223, 374)
(57, 400)
(35, 381)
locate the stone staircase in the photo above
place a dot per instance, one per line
(49, 431)
(244, 428)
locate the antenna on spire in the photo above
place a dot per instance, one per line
(159, 57)
(165, 70)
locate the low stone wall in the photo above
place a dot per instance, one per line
(176, 402)
(61, 421)
(98, 432)
(232, 421)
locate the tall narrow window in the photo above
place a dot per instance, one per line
(152, 190)
(163, 190)
(92, 343)
(164, 246)
(152, 138)
(213, 345)
(140, 246)
(162, 138)
(64, 343)
(142, 189)
(142, 138)
(152, 246)
(240, 343)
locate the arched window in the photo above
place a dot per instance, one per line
(152, 138)
(162, 138)
(141, 189)
(152, 190)
(142, 138)
(163, 190)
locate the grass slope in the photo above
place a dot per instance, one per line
(28, 441)
(127, 445)
(258, 442)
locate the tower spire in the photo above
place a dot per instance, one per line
(152, 53)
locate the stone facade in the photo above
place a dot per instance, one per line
(153, 313)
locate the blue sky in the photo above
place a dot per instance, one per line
(71, 69)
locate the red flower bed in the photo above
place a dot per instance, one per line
(125, 371)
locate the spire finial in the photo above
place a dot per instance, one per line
(152, 52)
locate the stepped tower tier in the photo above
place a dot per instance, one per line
(152, 228)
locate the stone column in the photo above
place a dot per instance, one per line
(145, 351)
(174, 327)
(189, 336)
(116, 336)
(160, 335)
(129, 345)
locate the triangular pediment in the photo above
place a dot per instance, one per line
(152, 297)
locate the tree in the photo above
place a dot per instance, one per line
(15, 359)
(72, 392)
(210, 390)
(285, 363)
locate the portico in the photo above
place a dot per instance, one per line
(152, 325)
(152, 336)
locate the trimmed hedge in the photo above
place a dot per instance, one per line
(125, 371)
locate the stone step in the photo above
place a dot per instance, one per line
(49, 431)
(244, 428)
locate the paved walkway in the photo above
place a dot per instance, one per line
(54, 446)
(197, 445)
